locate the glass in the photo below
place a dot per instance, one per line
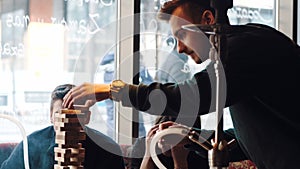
(153, 42)
(254, 11)
(41, 49)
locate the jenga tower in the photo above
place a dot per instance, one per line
(69, 134)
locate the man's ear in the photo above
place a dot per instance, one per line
(207, 18)
(51, 116)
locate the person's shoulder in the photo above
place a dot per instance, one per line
(258, 25)
(252, 37)
(257, 30)
(38, 139)
(264, 29)
(248, 26)
(47, 132)
(249, 29)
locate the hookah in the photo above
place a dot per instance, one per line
(218, 150)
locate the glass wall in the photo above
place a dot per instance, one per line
(254, 11)
(156, 42)
(45, 44)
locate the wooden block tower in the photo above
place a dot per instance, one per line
(69, 153)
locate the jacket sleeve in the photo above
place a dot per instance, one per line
(190, 97)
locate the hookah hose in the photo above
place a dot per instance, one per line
(182, 131)
(178, 131)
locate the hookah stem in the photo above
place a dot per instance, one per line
(219, 156)
(219, 85)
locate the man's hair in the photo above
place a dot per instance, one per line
(59, 93)
(193, 8)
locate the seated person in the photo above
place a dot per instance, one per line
(41, 144)
(185, 154)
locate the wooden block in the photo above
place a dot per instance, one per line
(56, 166)
(69, 111)
(69, 161)
(81, 115)
(68, 120)
(67, 158)
(69, 150)
(71, 156)
(68, 128)
(66, 142)
(78, 119)
(66, 138)
(63, 146)
(62, 124)
(79, 133)
(69, 133)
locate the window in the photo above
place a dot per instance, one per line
(254, 11)
(3, 100)
(47, 43)
(153, 37)
(12, 45)
(37, 97)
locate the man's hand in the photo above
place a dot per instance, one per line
(86, 94)
(147, 162)
(149, 138)
(178, 151)
(180, 154)
(171, 124)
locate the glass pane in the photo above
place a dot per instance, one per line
(254, 11)
(153, 35)
(40, 49)
(159, 58)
